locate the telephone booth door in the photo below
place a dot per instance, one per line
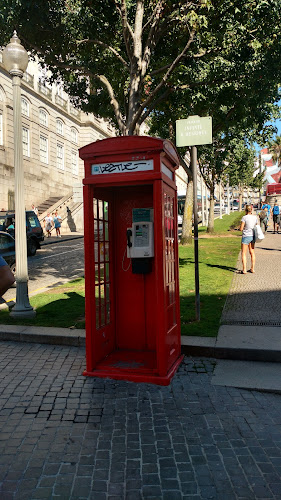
(99, 300)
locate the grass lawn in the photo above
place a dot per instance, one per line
(64, 305)
(217, 261)
(225, 225)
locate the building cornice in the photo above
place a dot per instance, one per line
(49, 103)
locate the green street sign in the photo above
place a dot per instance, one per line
(194, 131)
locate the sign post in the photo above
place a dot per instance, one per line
(194, 131)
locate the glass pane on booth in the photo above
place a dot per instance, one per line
(170, 259)
(95, 207)
(105, 210)
(102, 262)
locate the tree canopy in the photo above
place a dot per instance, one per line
(128, 60)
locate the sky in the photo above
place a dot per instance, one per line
(276, 123)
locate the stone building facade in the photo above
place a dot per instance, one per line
(53, 131)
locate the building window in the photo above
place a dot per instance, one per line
(74, 162)
(59, 127)
(24, 106)
(25, 141)
(74, 135)
(43, 149)
(43, 117)
(1, 129)
(60, 156)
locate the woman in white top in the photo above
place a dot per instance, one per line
(248, 223)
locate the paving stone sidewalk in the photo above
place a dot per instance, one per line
(67, 236)
(256, 298)
(64, 436)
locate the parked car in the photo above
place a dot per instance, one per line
(234, 205)
(7, 249)
(34, 231)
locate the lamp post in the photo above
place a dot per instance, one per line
(15, 60)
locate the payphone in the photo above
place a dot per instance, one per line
(132, 285)
(140, 241)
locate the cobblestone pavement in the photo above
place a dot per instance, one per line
(256, 298)
(65, 436)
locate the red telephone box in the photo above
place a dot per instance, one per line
(131, 259)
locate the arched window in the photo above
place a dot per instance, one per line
(24, 106)
(43, 117)
(59, 126)
(74, 135)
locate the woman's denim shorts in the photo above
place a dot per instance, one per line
(246, 240)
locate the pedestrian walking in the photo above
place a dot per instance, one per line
(35, 209)
(48, 224)
(267, 207)
(57, 223)
(276, 217)
(248, 223)
(263, 220)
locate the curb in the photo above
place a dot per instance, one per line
(207, 347)
(60, 240)
(43, 335)
(190, 346)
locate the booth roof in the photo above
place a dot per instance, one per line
(128, 144)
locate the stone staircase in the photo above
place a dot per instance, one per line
(70, 211)
(47, 204)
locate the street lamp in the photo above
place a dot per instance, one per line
(15, 60)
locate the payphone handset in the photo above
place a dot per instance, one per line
(140, 240)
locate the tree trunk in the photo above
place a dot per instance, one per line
(186, 237)
(211, 224)
(240, 197)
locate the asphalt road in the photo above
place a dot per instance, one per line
(53, 265)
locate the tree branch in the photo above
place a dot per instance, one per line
(113, 101)
(151, 40)
(204, 174)
(190, 56)
(228, 115)
(153, 105)
(127, 30)
(176, 61)
(98, 42)
(154, 13)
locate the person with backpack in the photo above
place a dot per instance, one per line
(276, 217)
(267, 207)
(263, 220)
